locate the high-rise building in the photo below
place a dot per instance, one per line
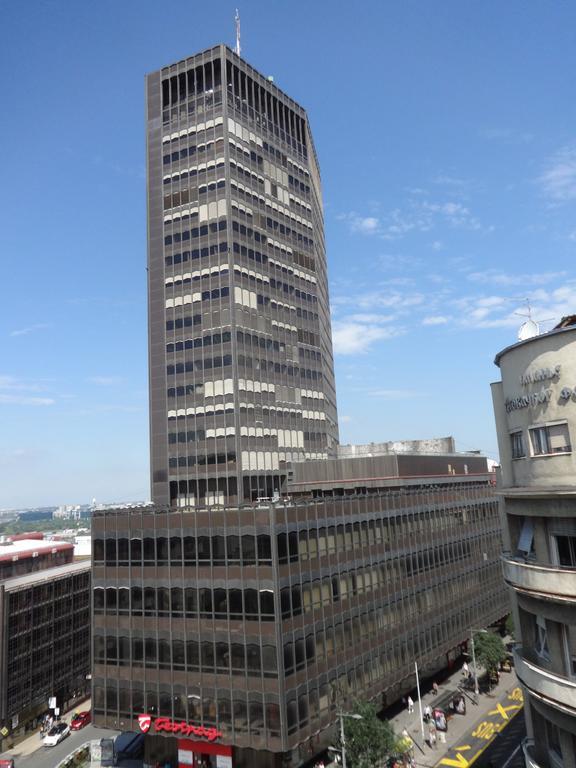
(269, 582)
(241, 368)
(535, 408)
(44, 631)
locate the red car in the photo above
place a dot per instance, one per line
(80, 720)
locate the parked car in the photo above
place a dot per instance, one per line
(56, 734)
(80, 720)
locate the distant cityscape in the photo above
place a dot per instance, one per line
(61, 512)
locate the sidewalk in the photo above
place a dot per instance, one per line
(31, 743)
(459, 725)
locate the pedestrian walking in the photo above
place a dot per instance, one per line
(427, 713)
(432, 736)
(442, 737)
(410, 705)
(435, 688)
(465, 669)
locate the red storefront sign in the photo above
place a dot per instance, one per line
(184, 729)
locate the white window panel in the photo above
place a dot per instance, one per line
(526, 536)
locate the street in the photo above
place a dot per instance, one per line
(504, 746)
(491, 741)
(49, 757)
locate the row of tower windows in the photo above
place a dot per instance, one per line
(190, 655)
(250, 713)
(192, 149)
(217, 226)
(222, 361)
(221, 604)
(291, 547)
(251, 659)
(202, 460)
(224, 337)
(197, 253)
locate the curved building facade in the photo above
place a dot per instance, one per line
(535, 410)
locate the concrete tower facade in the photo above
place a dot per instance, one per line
(241, 366)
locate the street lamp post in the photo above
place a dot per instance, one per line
(342, 715)
(420, 703)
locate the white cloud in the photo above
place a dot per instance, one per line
(547, 307)
(437, 245)
(419, 215)
(558, 180)
(498, 277)
(11, 383)
(372, 300)
(395, 299)
(445, 180)
(435, 320)
(9, 399)
(16, 392)
(353, 338)
(30, 329)
(455, 214)
(344, 419)
(506, 135)
(394, 394)
(105, 381)
(365, 225)
(367, 318)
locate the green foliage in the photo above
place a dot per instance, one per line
(509, 626)
(368, 741)
(28, 526)
(490, 651)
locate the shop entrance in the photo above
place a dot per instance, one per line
(200, 754)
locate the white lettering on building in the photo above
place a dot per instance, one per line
(526, 401)
(540, 374)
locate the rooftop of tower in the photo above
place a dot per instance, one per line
(215, 50)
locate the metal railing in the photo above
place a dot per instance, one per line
(531, 561)
(77, 759)
(527, 749)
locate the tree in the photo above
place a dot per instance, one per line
(368, 741)
(510, 625)
(489, 650)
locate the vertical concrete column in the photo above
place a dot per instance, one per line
(567, 744)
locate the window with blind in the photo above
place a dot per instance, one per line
(549, 439)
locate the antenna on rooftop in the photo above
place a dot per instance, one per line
(530, 328)
(237, 20)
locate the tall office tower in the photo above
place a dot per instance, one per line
(535, 409)
(241, 367)
(229, 632)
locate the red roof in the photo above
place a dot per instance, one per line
(11, 553)
(35, 535)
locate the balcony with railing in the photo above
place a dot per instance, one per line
(553, 689)
(553, 582)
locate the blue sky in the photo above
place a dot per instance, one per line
(445, 132)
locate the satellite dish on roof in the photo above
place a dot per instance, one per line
(528, 330)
